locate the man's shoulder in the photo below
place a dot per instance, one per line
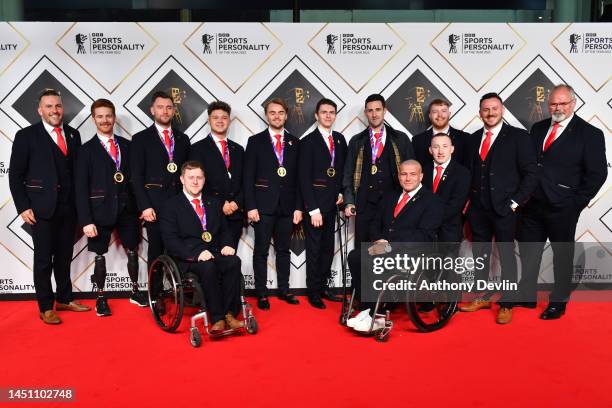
(144, 134)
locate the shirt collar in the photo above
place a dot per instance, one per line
(413, 192)
(189, 197)
(272, 133)
(103, 138)
(50, 128)
(495, 130)
(564, 122)
(160, 129)
(216, 138)
(446, 131)
(324, 132)
(444, 165)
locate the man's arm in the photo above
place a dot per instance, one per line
(248, 175)
(138, 164)
(527, 167)
(349, 169)
(18, 167)
(81, 188)
(168, 223)
(595, 165)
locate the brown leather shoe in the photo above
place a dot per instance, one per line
(232, 322)
(50, 317)
(476, 305)
(73, 306)
(504, 316)
(218, 326)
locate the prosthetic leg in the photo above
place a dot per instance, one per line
(99, 279)
(138, 297)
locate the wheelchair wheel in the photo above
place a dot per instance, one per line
(166, 296)
(195, 338)
(251, 325)
(430, 310)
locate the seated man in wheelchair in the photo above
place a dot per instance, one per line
(411, 215)
(196, 235)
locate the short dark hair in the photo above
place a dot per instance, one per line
(49, 92)
(102, 103)
(438, 101)
(490, 95)
(160, 94)
(277, 101)
(190, 165)
(219, 105)
(374, 98)
(326, 101)
(442, 134)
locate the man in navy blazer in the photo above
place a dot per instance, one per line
(450, 181)
(413, 215)
(372, 166)
(157, 154)
(572, 167)
(503, 176)
(105, 201)
(322, 156)
(196, 234)
(41, 182)
(439, 115)
(272, 198)
(222, 159)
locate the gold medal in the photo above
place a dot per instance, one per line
(282, 172)
(172, 167)
(118, 177)
(374, 169)
(206, 236)
(331, 172)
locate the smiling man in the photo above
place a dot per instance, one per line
(372, 166)
(439, 116)
(572, 165)
(157, 154)
(322, 156)
(41, 182)
(222, 159)
(503, 176)
(272, 198)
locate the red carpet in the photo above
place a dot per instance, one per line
(303, 358)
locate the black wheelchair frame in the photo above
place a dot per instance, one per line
(170, 291)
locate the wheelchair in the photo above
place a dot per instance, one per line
(171, 290)
(427, 310)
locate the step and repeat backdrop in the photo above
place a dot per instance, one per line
(245, 64)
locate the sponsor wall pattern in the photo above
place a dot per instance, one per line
(247, 63)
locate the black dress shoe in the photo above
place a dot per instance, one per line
(315, 301)
(289, 298)
(263, 303)
(553, 312)
(528, 305)
(328, 295)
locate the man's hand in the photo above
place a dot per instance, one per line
(316, 220)
(90, 231)
(227, 209)
(297, 216)
(340, 199)
(28, 216)
(349, 210)
(205, 256)
(379, 247)
(227, 250)
(253, 215)
(149, 215)
(234, 206)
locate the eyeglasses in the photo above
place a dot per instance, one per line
(560, 104)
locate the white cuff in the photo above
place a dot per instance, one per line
(314, 212)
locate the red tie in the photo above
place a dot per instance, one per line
(484, 150)
(381, 147)
(331, 143)
(61, 143)
(437, 178)
(198, 207)
(551, 138)
(225, 154)
(401, 205)
(113, 148)
(279, 147)
(167, 139)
